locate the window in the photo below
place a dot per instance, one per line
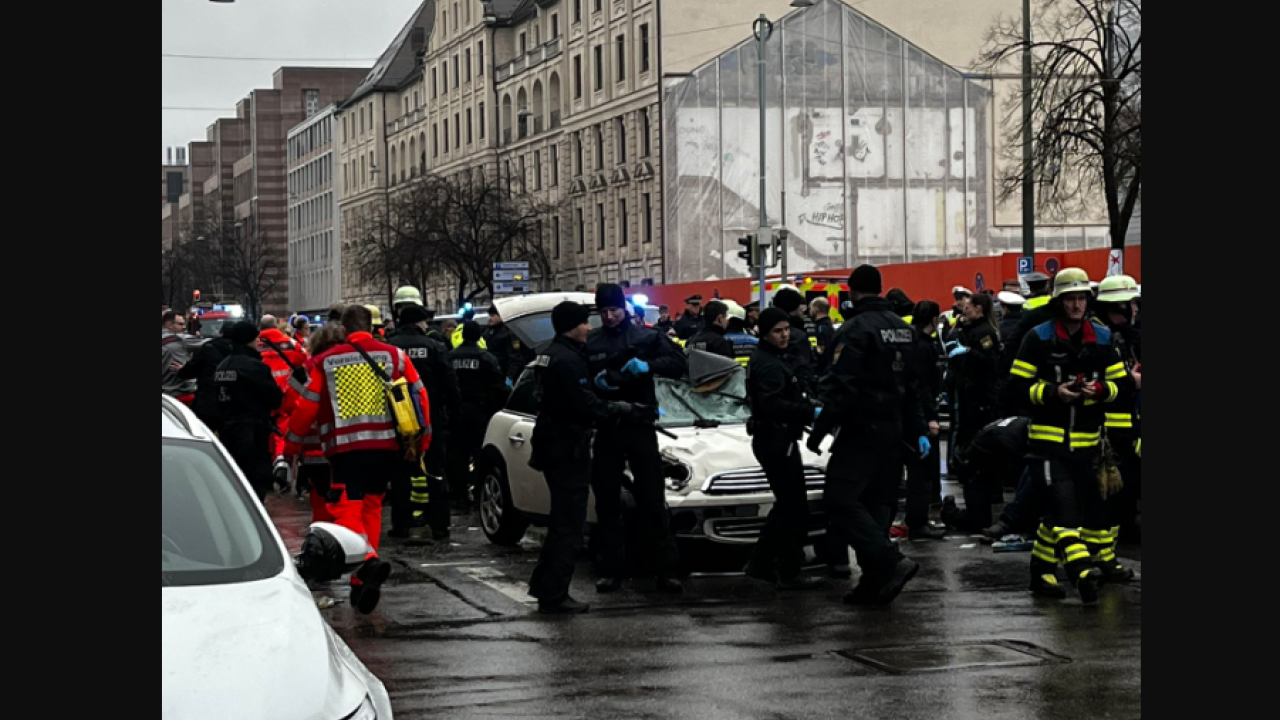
(555, 26)
(480, 116)
(582, 233)
(521, 43)
(361, 121)
(435, 88)
(555, 236)
(647, 207)
(555, 165)
(444, 75)
(537, 169)
(312, 100)
(577, 146)
(599, 147)
(444, 21)
(468, 126)
(620, 130)
(646, 130)
(599, 50)
(577, 77)
(457, 70)
(446, 135)
(457, 130)
(455, 16)
(600, 226)
(435, 140)
(644, 48)
(599, 4)
(466, 56)
(480, 58)
(621, 42)
(404, 105)
(524, 174)
(577, 11)
(622, 222)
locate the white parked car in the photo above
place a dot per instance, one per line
(716, 491)
(240, 633)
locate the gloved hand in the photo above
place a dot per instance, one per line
(956, 351)
(510, 384)
(602, 382)
(816, 412)
(925, 446)
(950, 345)
(641, 412)
(636, 366)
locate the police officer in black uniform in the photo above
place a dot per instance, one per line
(711, 338)
(780, 411)
(870, 401)
(202, 367)
(973, 369)
(924, 481)
(422, 492)
(246, 395)
(799, 349)
(483, 385)
(1035, 311)
(512, 354)
(624, 358)
(824, 330)
(691, 320)
(568, 409)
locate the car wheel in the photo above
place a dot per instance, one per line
(502, 523)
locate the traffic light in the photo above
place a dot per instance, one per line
(195, 296)
(748, 253)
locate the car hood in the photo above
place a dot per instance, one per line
(708, 451)
(252, 650)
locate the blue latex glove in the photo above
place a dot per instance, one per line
(636, 366)
(603, 383)
(510, 384)
(816, 412)
(950, 345)
(925, 446)
(957, 352)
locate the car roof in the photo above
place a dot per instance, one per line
(179, 423)
(511, 308)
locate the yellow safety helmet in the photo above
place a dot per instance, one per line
(376, 313)
(407, 294)
(735, 310)
(1070, 280)
(1117, 288)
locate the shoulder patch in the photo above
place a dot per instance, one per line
(542, 361)
(515, 344)
(987, 342)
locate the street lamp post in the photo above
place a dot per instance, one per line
(1028, 184)
(762, 29)
(386, 220)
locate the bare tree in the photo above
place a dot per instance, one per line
(1086, 106)
(237, 257)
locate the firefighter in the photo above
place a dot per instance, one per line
(869, 398)
(1123, 424)
(823, 331)
(286, 360)
(736, 332)
(924, 475)
(376, 328)
(711, 338)
(780, 411)
(247, 396)
(346, 397)
(972, 361)
(483, 386)
(800, 350)
(561, 451)
(1071, 374)
(691, 320)
(512, 354)
(420, 494)
(624, 358)
(405, 295)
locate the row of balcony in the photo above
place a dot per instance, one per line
(523, 125)
(530, 59)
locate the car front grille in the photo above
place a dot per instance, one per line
(742, 482)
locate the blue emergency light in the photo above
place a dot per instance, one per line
(640, 299)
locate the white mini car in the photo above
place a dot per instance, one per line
(240, 633)
(715, 489)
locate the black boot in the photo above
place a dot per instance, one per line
(801, 582)
(366, 593)
(608, 585)
(1087, 584)
(926, 532)
(757, 571)
(1046, 585)
(668, 585)
(997, 531)
(898, 578)
(564, 606)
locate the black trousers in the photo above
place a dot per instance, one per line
(924, 484)
(419, 491)
(466, 437)
(249, 443)
(615, 449)
(781, 543)
(365, 472)
(554, 571)
(1064, 491)
(861, 493)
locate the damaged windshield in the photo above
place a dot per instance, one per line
(682, 404)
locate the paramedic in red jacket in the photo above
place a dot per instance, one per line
(345, 398)
(285, 358)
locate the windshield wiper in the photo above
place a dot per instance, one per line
(701, 421)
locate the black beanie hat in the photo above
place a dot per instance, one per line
(902, 305)
(568, 315)
(610, 295)
(242, 332)
(410, 314)
(788, 300)
(770, 317)
(471, 331)
(865, 279)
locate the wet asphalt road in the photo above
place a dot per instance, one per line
(456, 637)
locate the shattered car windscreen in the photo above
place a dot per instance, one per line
(726, 404)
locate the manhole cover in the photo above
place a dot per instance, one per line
(953, 656)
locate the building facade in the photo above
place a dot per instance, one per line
(315, 235)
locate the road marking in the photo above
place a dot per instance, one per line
(499, 581)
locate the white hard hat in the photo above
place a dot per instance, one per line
(734, 309)
(1010, 298)
(960, 290)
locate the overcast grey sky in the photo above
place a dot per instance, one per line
(295, 29)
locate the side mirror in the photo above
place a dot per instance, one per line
(330, 550)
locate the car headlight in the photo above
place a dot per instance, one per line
(364, 712)
(675, 474)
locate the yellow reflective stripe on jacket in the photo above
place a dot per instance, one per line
(743, 361)
(1115, 372)
(1046, 432)
(1137, 447)
(1037, 392)
(908, 318)
(1085, 439)
(1113, 391)
(1023, 369)
(1035, 302)
(1119, 420)
(813, 341)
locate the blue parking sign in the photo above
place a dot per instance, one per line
(979, 283)
(1025, 265)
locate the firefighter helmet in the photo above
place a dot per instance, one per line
(407, 294)
(376, 313)
(1070, 280)
(734, 309)
(1117, 288)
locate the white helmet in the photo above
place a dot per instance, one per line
(735, 310)
(1012, 299)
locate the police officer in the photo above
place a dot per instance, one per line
(201, 368)
(753, 317)
(924, 476)
(512, 355)
(420, 495)
(691, 320)
(665, 324)
(483, 386)
(973, 360)
(247, 395)
(1070, 373)
(869, 398)
(561, 451)
(799, 349)
(624, 358)
(824, 331)
(780, 411)
(1011, 306)
(711, 338)
(1035, 311)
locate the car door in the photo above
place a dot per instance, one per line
(511, 432)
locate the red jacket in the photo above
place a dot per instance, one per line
(346, 400)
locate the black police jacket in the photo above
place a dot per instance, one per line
(974, 374)
(568, 408)
(481, 380)
(688, 325)
(999, 450)
(711, 339)
(800, 354)
(929, 365)
(244, 387)
(609, 349)
(512, 354)
(777, 398)
(663, 326)
(871, 386)
(429, 358)
(824, 331)
(202, 367)
(1030, 317)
